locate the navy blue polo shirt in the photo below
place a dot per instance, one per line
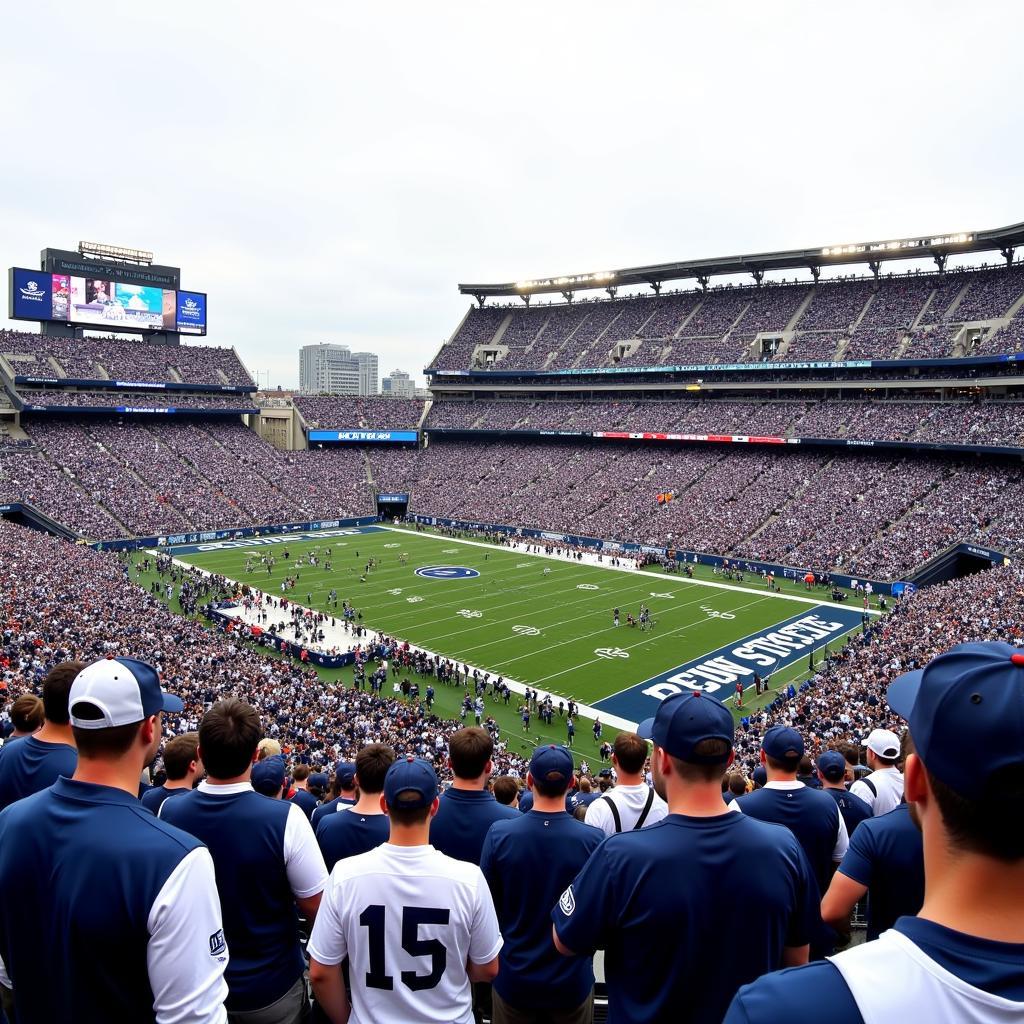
(661, 901)
(81, 867)
(526, 801)
(852, 808)
(31, 765)
(528, 862)
(245, 833)
(347, 833)
(306, 801)
(331, 807)
(154, 797)
(800, 993)
(462, 821)
(887, 856)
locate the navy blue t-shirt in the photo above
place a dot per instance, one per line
(331, 807)
(657, 900)
(462, 821)
(528, 862)
(887, 856)
(809, 814)
(852, 808)
(154, 797)
(348, 833)
(306, 801)
(32, 765)
(526, 801)
(800, 993)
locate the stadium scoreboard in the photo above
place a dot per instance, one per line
(80, 292)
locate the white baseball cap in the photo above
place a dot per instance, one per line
(117, 691)
(883, 742)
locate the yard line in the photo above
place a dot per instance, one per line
(681, 629)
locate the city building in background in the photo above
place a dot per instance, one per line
(329, 369)
(398, 384)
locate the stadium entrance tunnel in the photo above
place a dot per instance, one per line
(28, 515)
(392, 506)
(955, 562)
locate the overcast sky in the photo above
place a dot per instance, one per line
(329, 171)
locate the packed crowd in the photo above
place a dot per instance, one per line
(90, 358)
(719, 324)
(954, 422)
(346, 412)
(134, 399)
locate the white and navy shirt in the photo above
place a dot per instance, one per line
(882, 791)
(918, 970)
(408, 919)
(630, 802)
(266, 857)
(107, 913)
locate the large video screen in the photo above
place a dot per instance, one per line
(96, 302)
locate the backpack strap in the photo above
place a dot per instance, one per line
(615, 812)
(867, 782)
(647, 810)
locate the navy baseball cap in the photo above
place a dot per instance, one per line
(318, 779)
(783, 743)
(411, 783)
(552, 764)
(345, 773)
(760, 776)
(117, 691)
(832, 765)
(686, 719)
(965, 709)
(268, 775)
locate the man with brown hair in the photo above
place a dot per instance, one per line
(632, 804)
(661, 900)
(302, 797)
(267, 863)
(416, 926)
(467, 810)
(356, 828)
(39, 760)
(109, 914)
(182, 765)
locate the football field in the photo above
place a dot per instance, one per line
(545, 622)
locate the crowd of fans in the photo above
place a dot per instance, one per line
(134, 399)
(718, 325)
(90, 358)
(956, 422)
(346, 412)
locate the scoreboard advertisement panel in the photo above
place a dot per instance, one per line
(98, 302)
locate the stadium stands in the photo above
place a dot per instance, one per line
(370, 413)
(38, 355)
(720, 324)
(148, 399)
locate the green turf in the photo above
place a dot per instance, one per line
(474, 620)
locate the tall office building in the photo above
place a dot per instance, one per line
(398, 384)
(329, 369)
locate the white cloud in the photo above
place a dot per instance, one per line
(330, 171)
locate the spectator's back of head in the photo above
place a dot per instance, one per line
(179, 753)
(506, 789)
(469, 750)
(56, 687)
(372, 764)
(27, 713)
(228, 737)
(630, 753)
(268, 748)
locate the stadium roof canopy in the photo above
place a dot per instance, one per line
(872, 254)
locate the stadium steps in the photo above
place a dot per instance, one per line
(495, 338)
(87, 498)
(801, 309)
(51, 361)
(1012, 311)
(958, 298)
(924, 309)
(793, 499)
(423, 416)
(678, 333)
(863, 311)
